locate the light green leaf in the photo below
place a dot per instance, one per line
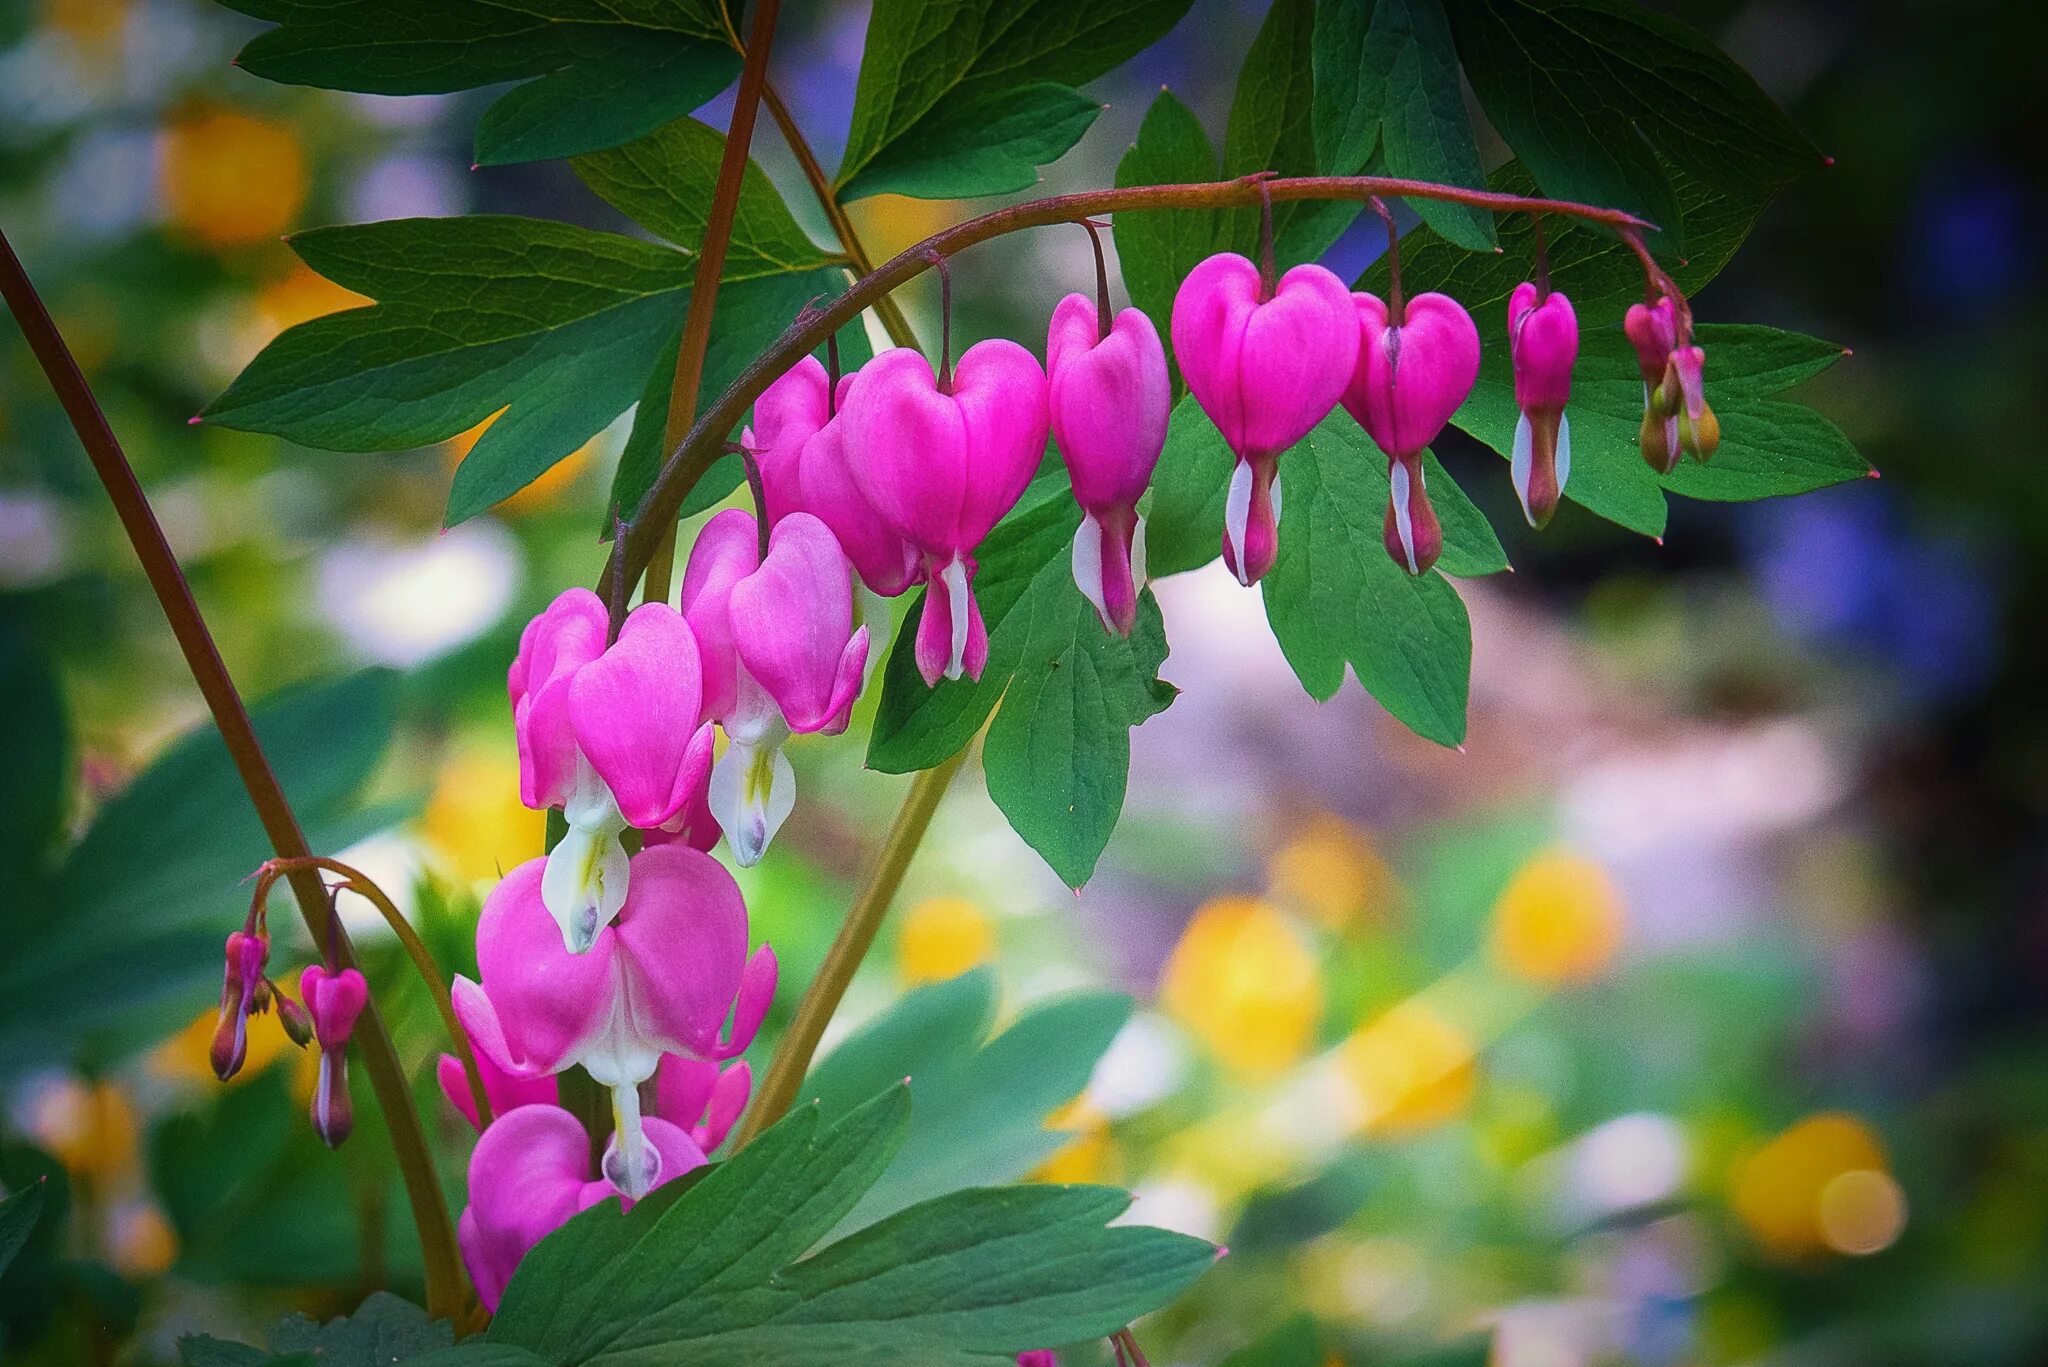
(1272, 128)
(1156, 248)
(1294, 1342)
(665, 182)
(561, 323)
(610, 70)
(969, 97)
(979, 1105)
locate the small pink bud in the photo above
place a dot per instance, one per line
(1266, 369)
(298, 1026)
(1110, 399)
(1699, 431)
(1410, 378)
(1543, 340)
(1653, 330)
(1038, 1357)
(334, 1000)
(246, 955)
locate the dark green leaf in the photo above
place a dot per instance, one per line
(969, 97)
(665, 182)
(979, 1105)
(18, 1214)
(561, 323)
(1401, 73)
(1592, 94)
(384, 1329)
(1272, 128)
(1288, 1217)
(1768, 447)
(1156, 249)
(1335, 597)
(203, 1350)
(1296, 1342)
(610, 70)
(35, 756)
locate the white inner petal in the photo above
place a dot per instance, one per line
(1523, 463)
(955, 578)
(1237, 511)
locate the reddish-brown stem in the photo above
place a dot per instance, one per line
(445, 1281)
(945, 376)
(725, 198)
(1104, 318)
(705, 441)
(1269, 274)
(1397, 302)
(759, 489)
(1542, 257)
(832, 376)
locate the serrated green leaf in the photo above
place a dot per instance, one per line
(979, 1105)
(666, 181)
(610, 70)
(1272, 128)
(384, 1329)
(1335, 597)
(1593, 94)
(561, 323)
(1387, 79)
(1156, 248)
(1768, 447)
(968, 97)
(203, 1350)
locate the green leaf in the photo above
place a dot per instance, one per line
(1393, 82)
(1294, 1342)
(969, 97)
(1272, 128)
(666, 181)
(1768, 447)
(1335, 597)
(561, 323)
(1058, 754)
(18, 1214)
(140, 905)
(203, 1350)
(1156, 249)
(384, 1329)
(35, 756)
(979, 1105)
(1595, 95)
(610, 70)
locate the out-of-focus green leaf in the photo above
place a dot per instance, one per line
(203, 1350)
(609, 70)
(35, 756)
(19, 1212)
(1272, 128)
(979, 1105)
(970, 97)
(1287, 1217)
(384, 1328)
(1156, 248)
(1295, 1342)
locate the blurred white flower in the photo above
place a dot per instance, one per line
(35, 541)
(402, 603)
(1144, 1064)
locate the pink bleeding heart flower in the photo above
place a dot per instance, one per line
(1266, 368)
(1041, 1357)
(614, 736)
(505, 1091)
(1543, 341)
(660, 979)
(1411, 376)
(247, 952)
(1109, 399)
(334, 1000)
(942, 465)
(801, 447)
(702, 1097)
(781, 654)
(530, 1172)
(1653, 331)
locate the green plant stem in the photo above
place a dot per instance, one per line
(361, 884)
(705, 441)
(446, 1284)
(725, 199)
(785, 1075)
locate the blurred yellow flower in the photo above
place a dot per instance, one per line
(230, 179)
(546, 488)
(93, 24)
(1559, 921)
(140, 1241)
(300, 295)
(185, 1056)
(89, 1127)
(1822, 1185)
(1244, 981)
(1332, 873)
(474, 819)
(1090, 1156)
(1410, 1070)
(941, 938)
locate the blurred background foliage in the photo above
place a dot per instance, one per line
(1692, 1015)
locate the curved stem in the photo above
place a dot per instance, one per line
(689, 459)
(725, 198)
(785, 1075)
(360, 883)
(446, 1285)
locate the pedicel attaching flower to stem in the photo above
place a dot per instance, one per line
(1267, 360)
(613, 735)
(1109, 399)
(1417, 360)
(1543, 343)
(941, 457)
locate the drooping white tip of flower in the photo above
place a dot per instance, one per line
(753, 790)
(1404, 521)
(584, 884)
(955, 577)
(1237, 511)
(630, 1164)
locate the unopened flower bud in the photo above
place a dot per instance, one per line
(246, 954)
(298, 1026)
(334, 1000)
(1699, 431)
(1653, 331)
